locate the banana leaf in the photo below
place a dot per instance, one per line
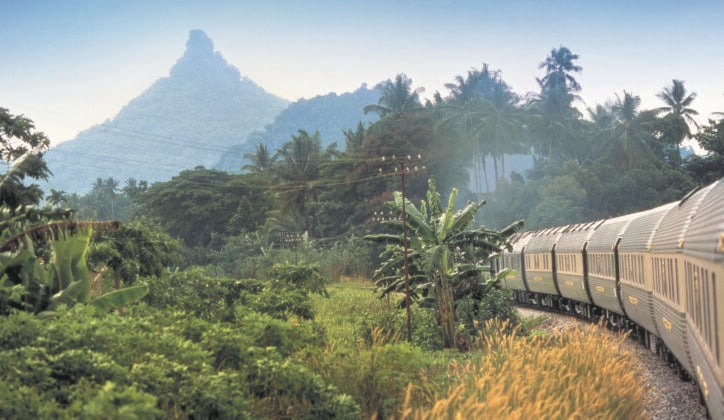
(120, 297)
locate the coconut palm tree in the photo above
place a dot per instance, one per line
(630, 133)
(261, 161)
(559, 66)
(678, 102)
(678, 118)
(295, 172)
(398, 98)
(478, 103)
(501, 126)
(554, 122)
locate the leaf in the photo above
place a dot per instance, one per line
(70, 295)
(120, 297)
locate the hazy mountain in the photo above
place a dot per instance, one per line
(329, 114)
(190, 118)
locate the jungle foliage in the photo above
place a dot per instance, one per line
(223, 281)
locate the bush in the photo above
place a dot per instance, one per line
(192, 291)
(18, 330)
(116, 402)
(472, 312)
(284, 388)
(392, 322)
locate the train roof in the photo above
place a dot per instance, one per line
(575, 236)
(705, 236)
(609, 232)
(639, 233)
(669, 237)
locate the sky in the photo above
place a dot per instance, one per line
(72, 64)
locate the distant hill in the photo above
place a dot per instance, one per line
(329, 114)
(190, 118)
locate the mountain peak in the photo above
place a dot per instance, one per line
(199, 44)
(200, 59)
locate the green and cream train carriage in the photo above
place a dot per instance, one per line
(703, 269)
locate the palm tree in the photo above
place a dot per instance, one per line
(678, 118)
(476, 103)
(501, 126)
(398, 98)
(554, 121)
(110, 188)
(478, 83)
(354, 139)
(261, 161)
(630, 134)
(677, 104)
(297, 168)
(559, 66)
(57, 198)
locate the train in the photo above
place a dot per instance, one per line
(656, 273)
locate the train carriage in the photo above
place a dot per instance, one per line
(513, 260)
(570, 266)
(667, 266)
(602, 265)
(636, 279)
(539, 263)
(703, 259)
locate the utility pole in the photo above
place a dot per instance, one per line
(401, 170)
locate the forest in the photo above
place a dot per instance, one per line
(288, 289)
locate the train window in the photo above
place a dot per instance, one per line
(664, 273)
(675, 281)
(701, 305)
(715, 310)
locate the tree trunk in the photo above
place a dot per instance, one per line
(485, 175)
(446, 311)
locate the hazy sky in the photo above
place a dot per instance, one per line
(69, 64)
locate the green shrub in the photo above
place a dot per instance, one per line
(18, 330)
(167, 379)
(26, 366)
(284, 388)
(228, 345)
(393, 323)
(375, 376)
(281, 303)
(116, 402)
(25, 402)
(71, 365)
(219, 396)
(473, 312)
(194, 292)
(286, 337)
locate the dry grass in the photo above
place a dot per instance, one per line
(583, 373)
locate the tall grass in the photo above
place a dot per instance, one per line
(582, 373)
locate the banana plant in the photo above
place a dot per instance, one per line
(30, 283)
(448, 258)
